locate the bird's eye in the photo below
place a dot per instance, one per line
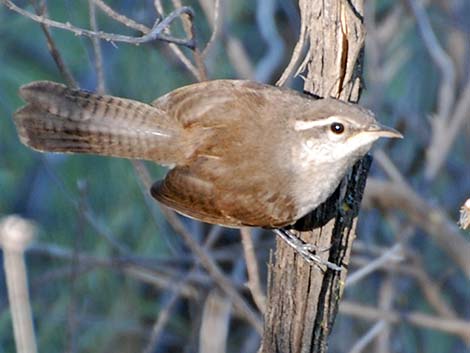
(337, 128)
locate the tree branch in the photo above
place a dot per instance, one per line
(391, 195)
(156, 33)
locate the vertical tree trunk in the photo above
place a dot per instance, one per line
(302, 299)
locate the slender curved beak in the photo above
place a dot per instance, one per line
(383, 131)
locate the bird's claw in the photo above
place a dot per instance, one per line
(307, 251)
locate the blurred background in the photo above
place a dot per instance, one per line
(108, 272)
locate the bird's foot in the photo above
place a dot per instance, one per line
(307, 251)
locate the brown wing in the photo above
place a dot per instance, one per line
(216, 102)
(219, 182)
(190, 196)
(232, 205)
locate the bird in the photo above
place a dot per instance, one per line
(240, 153)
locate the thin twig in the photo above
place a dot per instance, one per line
(155, 272)
(366, 312)
(88, 213)
(275, 51)
(216, 19)
(429, 217)
(214, 271)
(74, 271)
(164, 314)
(41, 10)
(126, 21)
(101, 87)
(445, 135)
(385, 302)
(392, 255)
(370, 335)
(178, 287)
(431, 290)
(254, 282)
(434, 221)
(299, 46)
(389, 168)
(161, 322)
(190, 31)
(176, 50)
(440, 58)
(156, 32)
(239, 58)
(446, 94)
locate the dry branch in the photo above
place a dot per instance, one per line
(15, 235)
(392, 195)
(254, 283)
(156, 33)
(453, 326)
(302, 300)
(41, 10)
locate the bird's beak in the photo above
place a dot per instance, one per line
(383, 131)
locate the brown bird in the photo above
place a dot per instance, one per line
(240, 153)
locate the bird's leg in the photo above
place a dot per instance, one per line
(307, 251)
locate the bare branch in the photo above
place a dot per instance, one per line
(390, 168)
(101, 87)
(215, 20)
(214, 271)
(176, 50)
(440, 58)
(370, 335)
(390, 195)
(386, 300)
(444, 135)
(299, 46)
(15, 235)
(441, 138)
(126, 21)
(267, 26)
(189, 29)
(215, 321)
(156, 32)
(41, 10)
(87, 213)
(254, 283)
(162, 320)
(239, 58)
(452, 326)
(144, 29)
(391, 256)
(159, 273)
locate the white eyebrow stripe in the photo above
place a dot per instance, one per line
(308, 124)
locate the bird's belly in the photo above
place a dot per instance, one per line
(315, 194)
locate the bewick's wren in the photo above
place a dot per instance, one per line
(241, 153)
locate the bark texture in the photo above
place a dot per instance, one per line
(302, 299)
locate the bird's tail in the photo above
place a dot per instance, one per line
(60, 119)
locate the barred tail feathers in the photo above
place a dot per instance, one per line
(60, 119)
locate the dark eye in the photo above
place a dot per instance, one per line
(337, 128)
